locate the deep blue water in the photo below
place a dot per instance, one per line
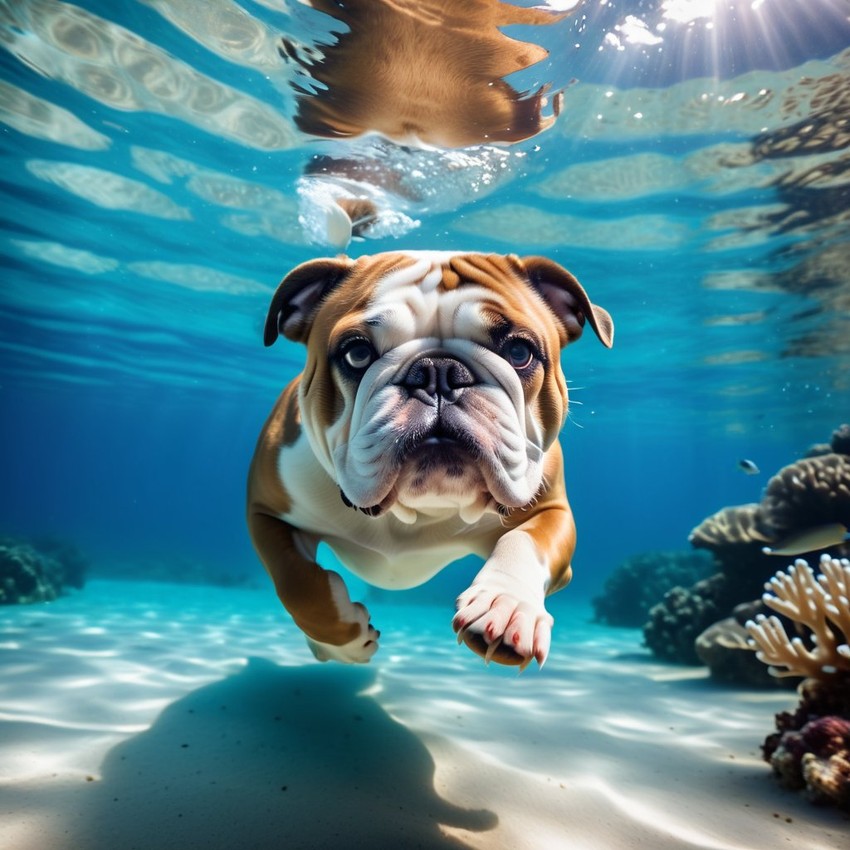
(143, 233)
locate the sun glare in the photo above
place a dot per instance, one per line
(672, 40)
(688, 11)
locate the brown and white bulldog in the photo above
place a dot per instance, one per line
(424, 427)
(423, 72)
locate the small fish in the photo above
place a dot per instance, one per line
(748, 467)
(810, 540)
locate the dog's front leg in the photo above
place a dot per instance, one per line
(502, 615)
(317, 599)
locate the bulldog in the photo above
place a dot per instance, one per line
(424, 427)
(428, 72)
(400, 89)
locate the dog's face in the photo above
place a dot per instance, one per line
(433, 380)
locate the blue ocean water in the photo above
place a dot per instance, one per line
(695, 182)
(156, 185)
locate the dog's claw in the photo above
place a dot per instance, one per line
(503, 627)
(491, 650)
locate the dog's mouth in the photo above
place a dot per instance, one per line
(442, 449)
(441, 436)
(443, 444)
(373, 510)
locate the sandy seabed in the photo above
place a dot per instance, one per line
(157, 716)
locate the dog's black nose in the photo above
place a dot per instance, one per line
(433, 378)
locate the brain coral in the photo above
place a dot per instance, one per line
(807, 493)
(729, 527)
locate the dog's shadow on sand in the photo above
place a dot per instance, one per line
(283, 757)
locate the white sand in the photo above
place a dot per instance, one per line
(155, 716)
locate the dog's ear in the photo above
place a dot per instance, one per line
(567, 300)
(297, 299)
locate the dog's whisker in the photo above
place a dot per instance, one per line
(571, 420)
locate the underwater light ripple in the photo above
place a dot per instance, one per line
(652, 817)
(631, 729)
(77, 726)
(721, 717)
(83, 653)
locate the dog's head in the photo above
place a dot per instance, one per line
(433, 380)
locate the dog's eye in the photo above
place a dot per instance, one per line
(518, 353)
(358, 354)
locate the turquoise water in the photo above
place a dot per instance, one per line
(200, 720)
(695, 182)
(156, 185)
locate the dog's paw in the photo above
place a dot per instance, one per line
(499, 626)
(356, 651)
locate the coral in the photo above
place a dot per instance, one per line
(729, 526)
(724, 647)
(804, 504)
(840, 443)
(810, 751)
(816, 758)
(638, 582)
(810, 492)
(828, 779)
(685, 613)
(805, 494)
(818, 603)
(811, 748)
(826, 762)
(675, 622)
(28, 574)
(735, 538)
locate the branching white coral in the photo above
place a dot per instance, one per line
(820, 603)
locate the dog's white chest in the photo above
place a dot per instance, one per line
(384, 551)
